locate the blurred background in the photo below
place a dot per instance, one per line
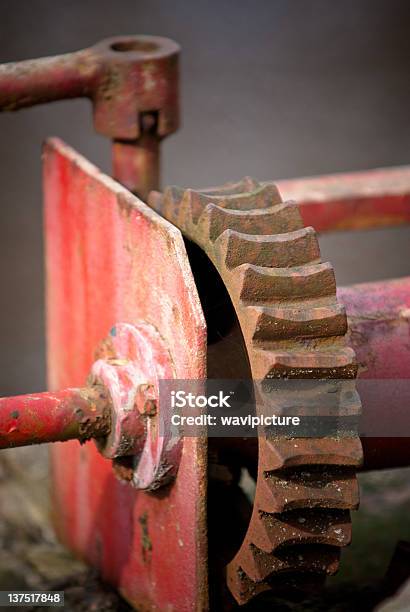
(272, 89)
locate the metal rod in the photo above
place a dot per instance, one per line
(352, 201)
(54, 417)
(30, 82)
(136, 165)
(127, 78)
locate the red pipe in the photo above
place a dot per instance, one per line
(379, 324)
(353, 200)
(54, 417)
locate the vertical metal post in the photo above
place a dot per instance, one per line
(136, 163)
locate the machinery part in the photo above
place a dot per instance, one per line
(379, 323)
(133, 84)
(378, 316)
(110, 258)
(132, 362)
(120, 409)
(54, 417)
(353, 200)
(293, 327)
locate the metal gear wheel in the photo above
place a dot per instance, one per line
(293, 328)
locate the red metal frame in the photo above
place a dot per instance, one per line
(109, 259)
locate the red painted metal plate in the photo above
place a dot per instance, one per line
(111, 259)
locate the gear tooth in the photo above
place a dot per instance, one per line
(241, 586)
(304, 526)
(297, 364)
(271, 499)
(173, 197)
(272, 324)
(245, 184)
(334, 398)
(192, 206)
(320, 558)
(263, 196)
(281, 250)
(250, 184)
(268, 285)
(279, 219)
(258, 565)
(211, 223)
(244, 589)
(294, 329)
(175, 205)
(283, 453)
(284, 494)
(263, 536)
(308, 487)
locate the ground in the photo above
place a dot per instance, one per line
(31, 557)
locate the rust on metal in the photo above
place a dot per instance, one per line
(352, 201)
(124, 76)
(133, 83)
(379, 327)
(293, 327)
(146, 540)
(137, 361)
(69, 414)
(107, 246)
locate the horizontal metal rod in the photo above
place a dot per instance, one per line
(30, 82)
(379, 323)
(352, 201)
(54, 417)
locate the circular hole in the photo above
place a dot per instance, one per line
(143, 46)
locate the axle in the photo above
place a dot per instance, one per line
(54, 417)
(379, 319)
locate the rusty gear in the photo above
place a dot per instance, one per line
(293, 327)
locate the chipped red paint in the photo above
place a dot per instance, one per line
(54, 416)
(379, 322)
(132, 362)
(110, 258)
(349, 201)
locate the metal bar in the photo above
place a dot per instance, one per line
(352, 201)
(133, 84)
(136, 164)
(31, 82)
(379, 323)
(54, 417)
